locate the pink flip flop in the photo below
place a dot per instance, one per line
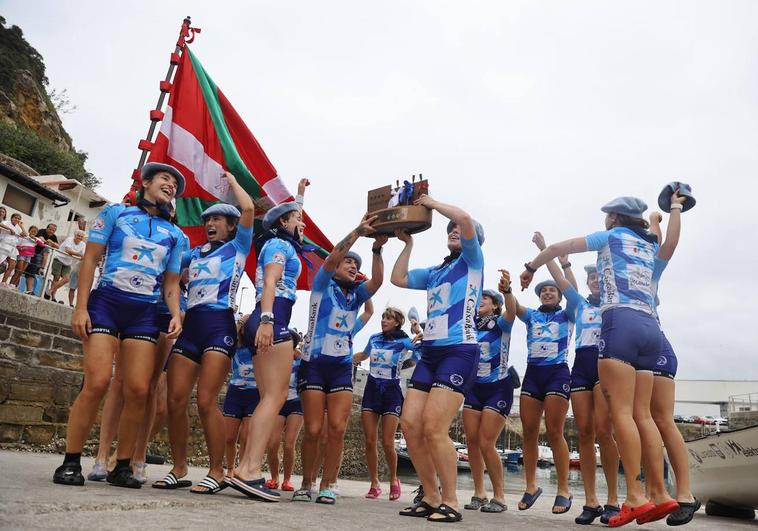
(395, 490)
(373, 493)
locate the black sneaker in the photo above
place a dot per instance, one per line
(69, 474)
(152, 459)
(123, 477)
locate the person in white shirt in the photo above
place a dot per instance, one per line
(9, 238)
(72, 247)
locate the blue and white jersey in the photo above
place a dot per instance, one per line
(331, 319)
(547, 336)
(139, 249)
(625, 268)
(453, 293)
(494, 346)
(387, 354)
(585, 316)
(162, 306)
(278, 251)
(214, 274)
(292, 390)
(243, 372)
(659, 266)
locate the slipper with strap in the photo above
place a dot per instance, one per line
(211, 486)
(254, 488)
(528, 499)
(562, 502)
(69, 474)
(588, 515)
(373, 493)
(449, 515)
(301, 495)
(629, 513)
(659, 512)
(684, 514)
(419, 510)
(171, 482)
(609, 511)
(395, 490)
(287, 486)
(493, 506)
(326, 497)
(98, 471)
(476, 503)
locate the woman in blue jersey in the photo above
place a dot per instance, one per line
(588, 405)
(203, 352)
(141, 246)
(545, 389)
(287, 426)
(383, 397)
(325, 379)
(662, 402)
(489, 402)
(279, 249)
(450, 356)
(628, 348)
(241, 399)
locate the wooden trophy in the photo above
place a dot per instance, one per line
(394, 207)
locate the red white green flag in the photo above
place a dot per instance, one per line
(203, 136)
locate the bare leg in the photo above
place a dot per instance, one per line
(138, 360)
(490, 428)
(530, 410)
(114, 403)
(231, 432)
(338, 405)
(582, 404)
(471, 421)
(291, 430)
(370, 421)
(313, 418)
(556, 408)
(143, 438)
(609, 454)
(389, 427)
(272, 450)
(412, 424)
(181, 377)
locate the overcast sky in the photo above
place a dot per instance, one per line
(530, 115)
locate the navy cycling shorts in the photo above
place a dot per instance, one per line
(282, 311)
(291, 407)
(382, 396)
(495, 396)
(451, 367)
(325, 375)
(541, 381)
(631, 336)
(112, 313)
(240, 402)
(584, 376)
(666, 363)
(206, 330)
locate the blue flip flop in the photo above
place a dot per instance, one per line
(562, 501)
(529, 499)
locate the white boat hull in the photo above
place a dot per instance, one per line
(724, 468)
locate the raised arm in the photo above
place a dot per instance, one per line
(674, 228)
(247, 208)
(341, 249)
(655, 219)
(552, 267)
(301, 186)
(457, 215)
(368, 312)
(551, 252)
(399, 276)
(377, 264)
(512, 306)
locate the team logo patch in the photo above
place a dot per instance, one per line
(601, 344)
(491, 325)
(228, 341)
(205, 248)
(661, 361)
(566, 388)
(398, 409)
(135, 220)
(279, 258)
(456, 379)
(502, 404)
(136, 281)
(98, 223)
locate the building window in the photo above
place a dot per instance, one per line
(19, 200)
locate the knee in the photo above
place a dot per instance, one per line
(554, 434)
(137, 392)
(661, 418)
(337, 429)
(586, 432)
(312, 432)
(604, 433)
(411, 430)
(206, 405)
(641, 414)
(95, 386)
(434, 433)
(289, 447)
(388, 443)
(473, 441)
(176, 404)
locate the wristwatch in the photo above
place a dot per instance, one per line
(267, 318)
(378, 250)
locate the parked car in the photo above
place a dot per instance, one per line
(698, 420)
(679, 418)
(721, 420)
(709, 420)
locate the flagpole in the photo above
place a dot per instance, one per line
(186, 36)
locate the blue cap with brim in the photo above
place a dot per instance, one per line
(413, 314)
(151, 168)
(355, 256)
(477, 226)
(538, 287)
(494, 295)
(278, 211)
(590, 269)
(685, 190)
(627, 206)
(220, 209)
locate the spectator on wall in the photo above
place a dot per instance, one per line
(71, 248)
(10, 231)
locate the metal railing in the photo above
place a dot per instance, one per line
(743, 402)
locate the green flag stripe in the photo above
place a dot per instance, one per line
(231, 155)
(188, 210)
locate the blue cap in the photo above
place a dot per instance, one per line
(685, 190)
(590, 269)
(151, 168)
(220, 209)
(494, 295)
(538, 287)
(628, 206)
(477, 226)
(413, 314)
(355, 256)
(278, 211)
